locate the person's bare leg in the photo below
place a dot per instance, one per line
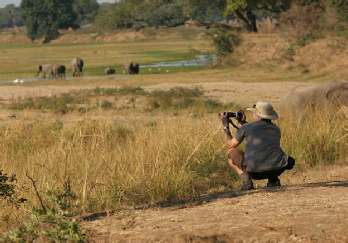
(235, 168)
(235, 161)
(235, 158)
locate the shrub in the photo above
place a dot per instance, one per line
(62, 103)
(51, 222)
(8, 189)
(123, 90)
(224, 39)
(105, 104)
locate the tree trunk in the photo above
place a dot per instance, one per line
(249, 20)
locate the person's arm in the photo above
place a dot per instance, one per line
(231, 141)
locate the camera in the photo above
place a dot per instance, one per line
(239, 116)
(229, 115)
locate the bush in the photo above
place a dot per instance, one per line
(8, 189)
(62, 103)
(224, 39)
(135, 14)
(123, 90)
(50, 223)
(105, 104)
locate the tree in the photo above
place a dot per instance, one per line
(43, 18)
(246, 10)
(10, 16)
(86, 10)
(168, 13)
(204, 10)
(139, 13)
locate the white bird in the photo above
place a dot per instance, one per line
(21, 81)
(16, 81)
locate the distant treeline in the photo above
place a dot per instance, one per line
(10, 16)
(43, 18)
(79, 12)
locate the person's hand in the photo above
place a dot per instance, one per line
(224, 119)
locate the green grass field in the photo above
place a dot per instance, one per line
(21, 61)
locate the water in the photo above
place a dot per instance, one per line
(198, 61)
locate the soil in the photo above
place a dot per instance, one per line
(230, 91)
(305, 212)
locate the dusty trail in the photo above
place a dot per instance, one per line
(312, 212)
(225, 91)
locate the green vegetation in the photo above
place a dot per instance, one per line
(85, 10)
(247, 10)
(52, 221)
(175, 99)
(21, 61)
(43, 18)
(135, 14)
(8, 189)
(225, 40)
(10, 16)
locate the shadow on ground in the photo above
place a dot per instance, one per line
(203, 199)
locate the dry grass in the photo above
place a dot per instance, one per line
(137, 157)
(173, 158)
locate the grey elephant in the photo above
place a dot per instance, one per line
(109, 71)
(334, 94)
(45, 70)
(59, 71)
(77, 66)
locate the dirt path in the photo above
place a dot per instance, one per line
(245, 93)
(225, 91)
(312, 212)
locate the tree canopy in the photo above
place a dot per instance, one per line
(43, 18)
(10, 16)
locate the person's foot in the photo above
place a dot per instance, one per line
(274, 183)
(247, 183)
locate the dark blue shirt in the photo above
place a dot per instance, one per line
(262, 151)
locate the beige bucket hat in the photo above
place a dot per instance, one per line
(264, 110)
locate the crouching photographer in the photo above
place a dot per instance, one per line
(263, 157)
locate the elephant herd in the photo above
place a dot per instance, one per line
(58, 71)
(132, 68)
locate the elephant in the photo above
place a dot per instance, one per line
(77, 66)
(45, 69)
(133, 68)
(109, 71)
(333, 94)
(59, 71)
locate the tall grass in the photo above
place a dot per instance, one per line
(316, 137)
(109, 164)
(175, 158)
